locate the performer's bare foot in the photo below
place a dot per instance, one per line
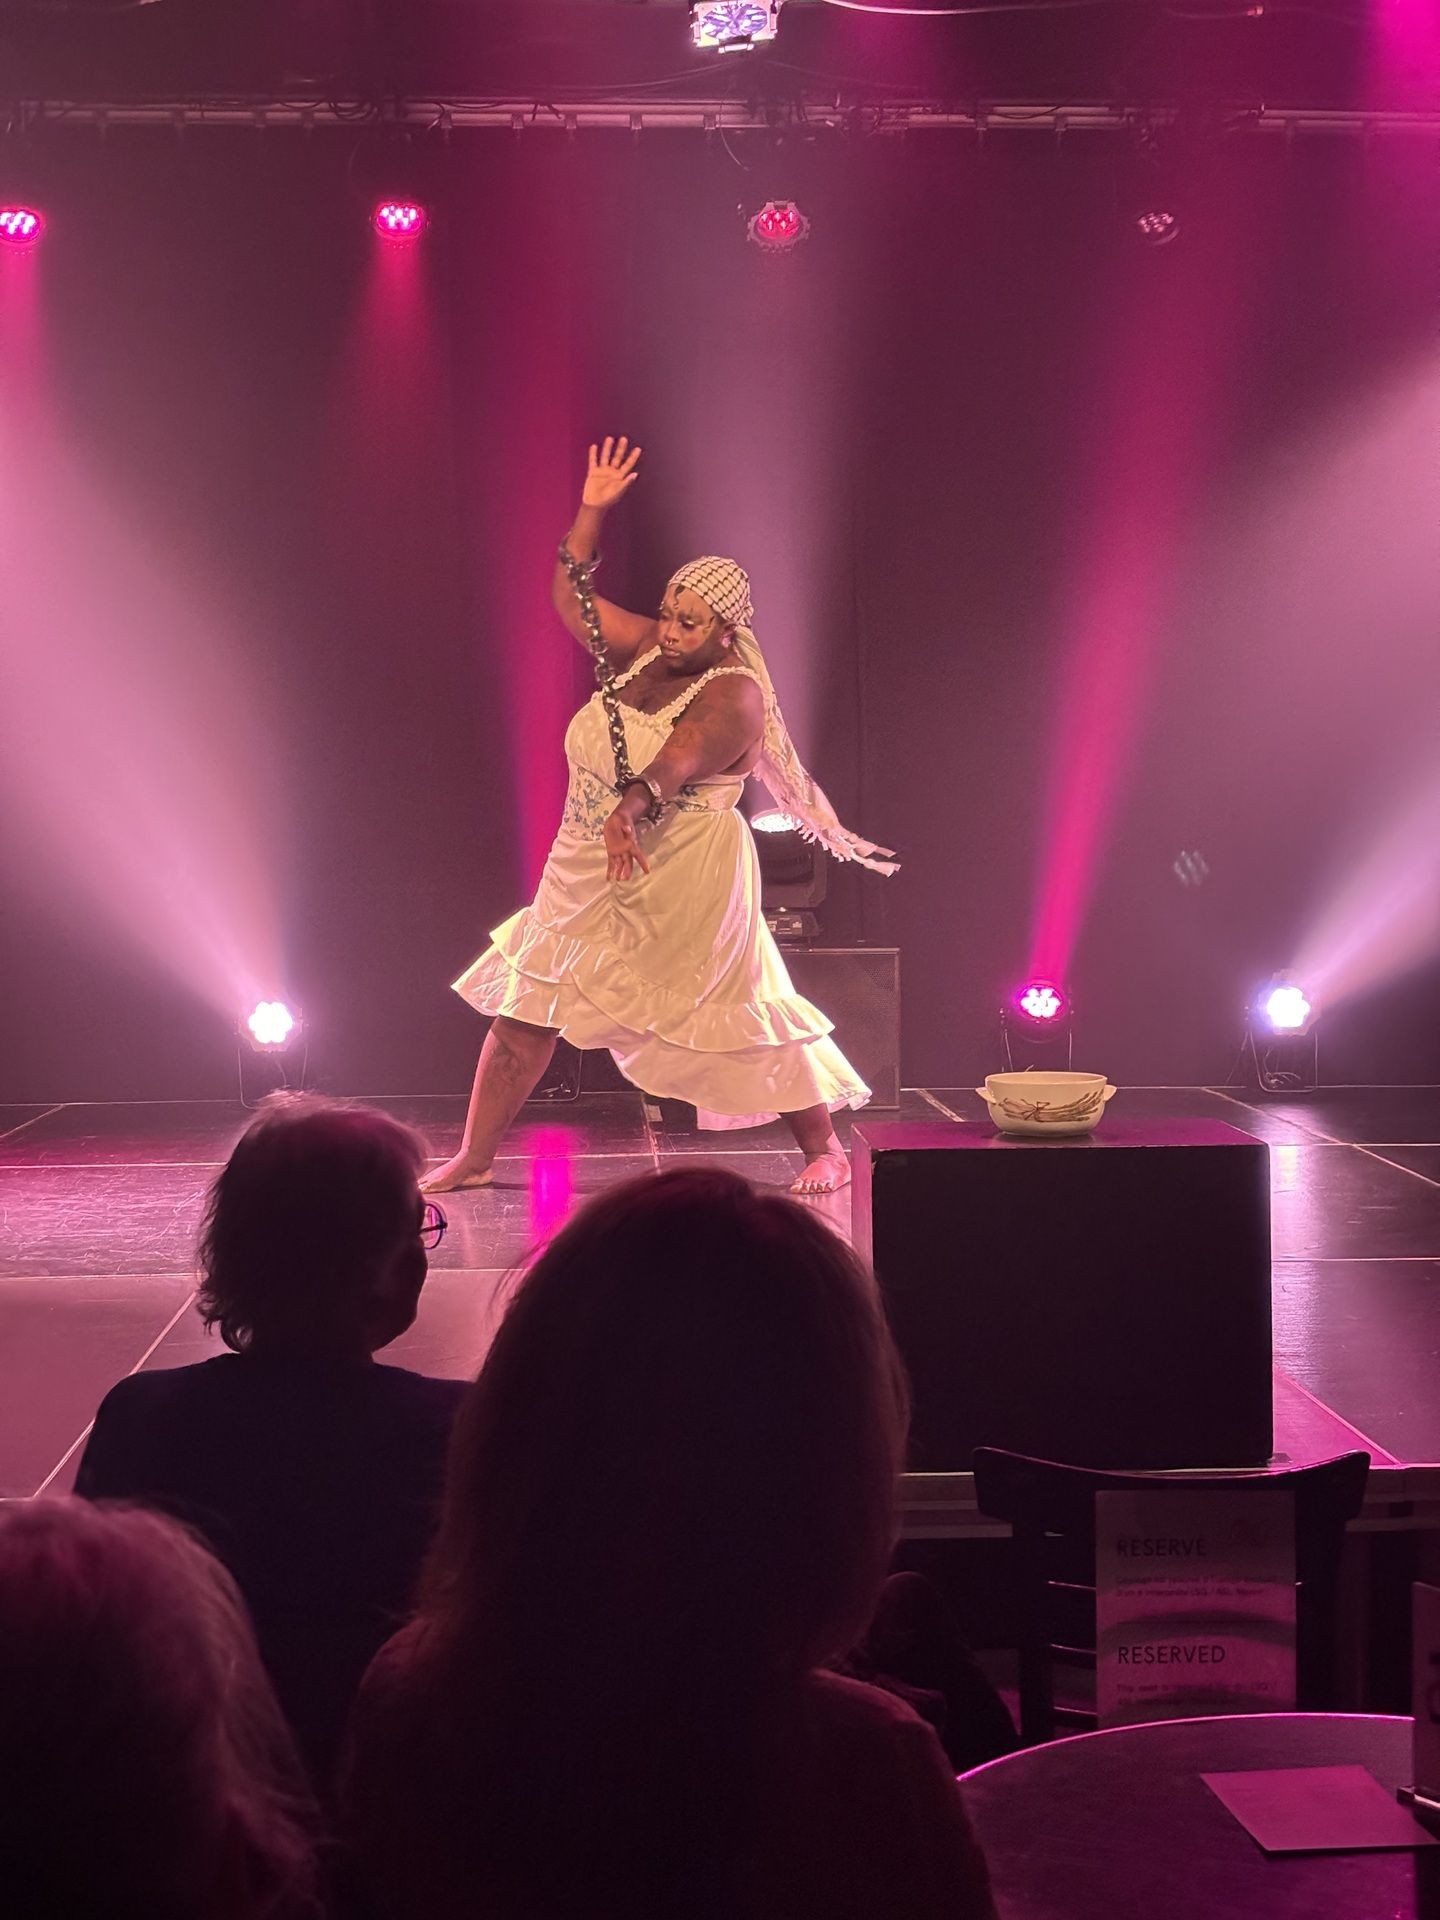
(460, 1175)
(826, 1173)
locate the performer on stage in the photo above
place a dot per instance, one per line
(646, 935)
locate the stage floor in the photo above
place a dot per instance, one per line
(99, 1207)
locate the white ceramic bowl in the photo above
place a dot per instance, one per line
(1046, 1103)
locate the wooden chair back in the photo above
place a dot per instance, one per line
(1051, 1511)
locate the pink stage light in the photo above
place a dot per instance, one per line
(1157, 227)
(1041, 1001)
(552, 1182)
(400, 219)
(1151, 467)
(20, 226)
(1404, 53)
(271, 1026)
(778, 226)
(1285, 1008)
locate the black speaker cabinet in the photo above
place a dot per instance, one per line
(859, 989)
(1103, 1300)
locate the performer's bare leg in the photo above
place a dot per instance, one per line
(826, 1167)
(511, 1062)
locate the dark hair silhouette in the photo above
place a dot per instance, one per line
(671, 1495)
(144, 1766)
(315, 1200)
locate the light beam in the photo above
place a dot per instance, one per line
(134, 759)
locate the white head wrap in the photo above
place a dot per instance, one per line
(725, 588)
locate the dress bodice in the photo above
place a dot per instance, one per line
(591, 796)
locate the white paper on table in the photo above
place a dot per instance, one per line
(1317, 1810)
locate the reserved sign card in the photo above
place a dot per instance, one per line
(1195, 1603)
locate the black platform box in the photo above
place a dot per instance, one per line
(1102, 1300)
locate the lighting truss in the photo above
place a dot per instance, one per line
(640, 113)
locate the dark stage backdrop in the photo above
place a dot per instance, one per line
(939, 435)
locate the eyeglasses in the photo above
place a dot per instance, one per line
(432, 1225)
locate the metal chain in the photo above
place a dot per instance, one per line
(579, 572)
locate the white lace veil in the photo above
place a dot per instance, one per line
(725, 587)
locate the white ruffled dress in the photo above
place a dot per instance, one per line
(675, 971)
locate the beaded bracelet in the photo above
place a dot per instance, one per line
(656, 808)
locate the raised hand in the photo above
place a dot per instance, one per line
(613, 470)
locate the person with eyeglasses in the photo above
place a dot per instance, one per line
(313, 1471)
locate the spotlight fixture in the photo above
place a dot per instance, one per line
(267, 1036)
(1157, 226)
(20, 226)
(1285, 1009)
(777, 227)
(400, 219)
(1040, 1003)
(733, 26)
(792, 877)
(1037, 1016)
(271, 1027)
(1150, 183)
(398, 175)
(1281, 1046)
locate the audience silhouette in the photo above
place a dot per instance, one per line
(145, 1770)
(312, 1471)
(671, 1502)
